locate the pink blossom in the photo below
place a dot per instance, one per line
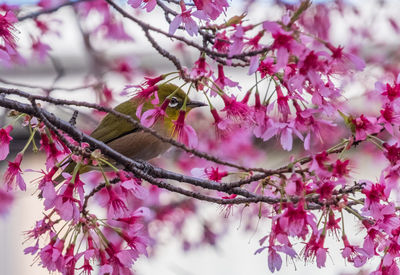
(5, 139)
(151, 116)
(70, 260)
(40, 49)
(221, 43)
(374, 193)
(235, 109)
(6, 200)
(353, 254)
(365, 126)
(345, 61)
(201, 69)
(185, 133)
(6, 30)
(295, 221)
(282, 101)
(185, 18)
(314, 249)
(131, 185)
(13, 174)
(237, 38)
(266, 67)
(55, 150)
(219, 123)
(284, 43)
(213, 8)
(389, 117)
(111, 198)
(149, 5)
(136, 240)
(392, 92)
(113, 30)
(274, 260)
(209, 172)
(392, 153)
(47, 4)
(145, 94)
(51, 255)
(222, 81)
(66, 205)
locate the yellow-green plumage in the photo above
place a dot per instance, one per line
(122, 136)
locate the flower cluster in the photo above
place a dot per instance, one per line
(103, 206)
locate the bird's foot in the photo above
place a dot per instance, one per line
(147, 167)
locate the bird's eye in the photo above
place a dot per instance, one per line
(174, 102)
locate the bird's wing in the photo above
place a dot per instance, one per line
(112, 127)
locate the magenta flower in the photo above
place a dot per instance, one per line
(267, 67)
(235, 109)
(201, 69)
(222, 81)
(51, 255)
(185, 133)
(221, 43)
(151, 116)
(274, 260)
(284, 44)
(70, 260)
(131, 185)
(212, 173)
(295, 221)
(6, 200)
(222, 126)
(149, 5)
(314, 250)
(5, 139)
(136, 240)
(365, 126)
(213, 8)
(392, 153)
(6, 29)
(186, 19)
(40, 49)
(389, 117)
(353, 254)
(374, 193)
(283, 106)
(66, 204)
(391, 92)
(55, 150)
(111, 198)
(13, 174)
(145, 93)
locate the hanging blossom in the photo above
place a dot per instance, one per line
(5, 139)
(148, 5)
(6, 199)
(211, 173)
(7, 30)
(212, 8)
(40, 50)
(185, 133)
(149, 117)
(185, 18)
(14, 174)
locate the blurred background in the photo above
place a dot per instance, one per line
(70, 63)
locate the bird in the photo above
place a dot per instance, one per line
(131, 141)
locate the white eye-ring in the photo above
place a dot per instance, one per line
(174, 102)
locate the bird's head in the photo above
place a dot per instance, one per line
(175, 100)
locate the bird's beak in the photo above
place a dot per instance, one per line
(195, 104)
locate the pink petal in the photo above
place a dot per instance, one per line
(176, 22)
(135, 3)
